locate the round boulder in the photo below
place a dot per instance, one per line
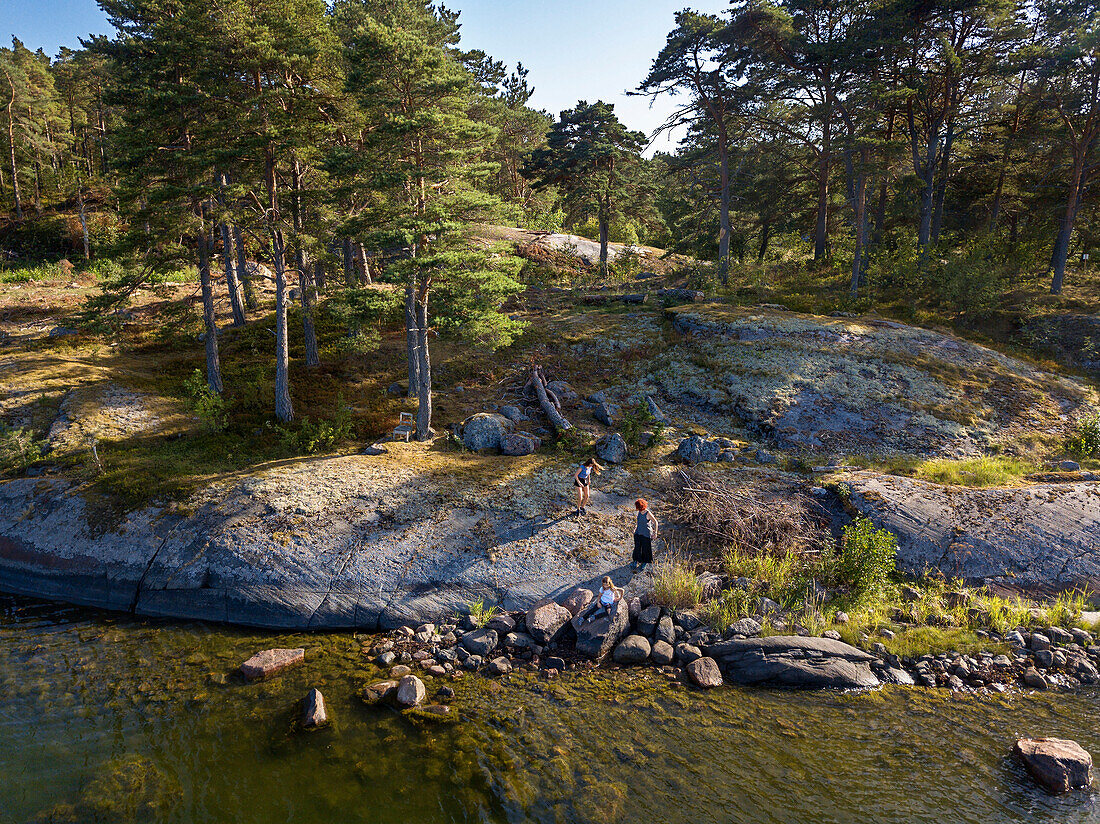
(611, 449)
(546, 619)
(705, 673)
(480, 641)
(410, 691)
(577, 600)
(634, 649)
(515, 445)
(484, 431)
(1056, 763)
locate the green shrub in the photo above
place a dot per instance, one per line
(868, 556)
(731, 607)
(1084, 442)
(637, 420)
(211, 407)
(310, 437)
(479, 613)
(18, 448)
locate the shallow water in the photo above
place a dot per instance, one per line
(111, 719)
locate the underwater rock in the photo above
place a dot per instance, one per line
(1056, 763)
(131, 789)
(270, 662)
(410, 691)
(381, 691)
(314, 713)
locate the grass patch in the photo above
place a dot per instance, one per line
(675, 585)
(975, 472)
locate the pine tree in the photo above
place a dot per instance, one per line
(595, 162)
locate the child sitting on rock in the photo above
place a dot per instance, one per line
(608, 597)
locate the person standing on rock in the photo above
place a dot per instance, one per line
(644, 533)
(582, 480)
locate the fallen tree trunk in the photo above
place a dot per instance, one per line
(548, 401)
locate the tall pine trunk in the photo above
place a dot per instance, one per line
(424, 394)
(723, 207)
(1065, 230)
(84, 222)
(412, 338)
(604, 221)
(231, 281)
(349, 263)
(284, 409)
(941, 184)
(213, 364)
(305, 282)
(11, 146)
(765, 236)
(250, 301)
(366, 279)
(821, 230)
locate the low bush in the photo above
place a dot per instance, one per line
(211, 407)
(1084, 441)
(18, 448)
(868, 557)
(479, 613)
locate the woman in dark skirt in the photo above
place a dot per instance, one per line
(644, 533)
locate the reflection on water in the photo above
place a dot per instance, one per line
(106, 718)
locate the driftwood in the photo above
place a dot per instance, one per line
(549, 402)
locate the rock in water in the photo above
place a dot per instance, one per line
(410, 691)
(484, 431)
(634, 649)
(500, 666)
(480, 641)
(313, 713)
(705, 672)
(546, 619)
(1056, 763)
(271, 661)
(611, 449)
(596, 639)
(378, 692)
(795, 661)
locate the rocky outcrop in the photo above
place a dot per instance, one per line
(794, 661)
(595, 639)
(1042, 534)
(1056, 763)
(270, 662)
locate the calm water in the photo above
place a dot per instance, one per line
(108, 719)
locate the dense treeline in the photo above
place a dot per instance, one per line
(886, 128)
(346, 144)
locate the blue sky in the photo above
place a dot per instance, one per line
(574, 49)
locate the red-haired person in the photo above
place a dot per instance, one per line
(644, 533)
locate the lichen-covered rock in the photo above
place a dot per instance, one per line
(696, 449)
(546, 619)
(517, 444)
(606, 413)
(485, 430)
(1056, 763)
(270, 662)
(611, 449)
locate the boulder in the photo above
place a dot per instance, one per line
(665, 630)
(634, 649)
(563, 390)
(502, 622)
(546, 619)
(500, 666)
(794, 661)
(410, 691)
(647, 620)
(695, 449)
(1034, 679)
(399, 671)
(485, 430)
(381, 691)
(688, 652)
(271, 661)
(516, 445)
(480, 641)
(1069, 466)
(611, 448)
(595, 639)
(606, 413)
(705, 672)
(746, 626)
(513, 413)
(1039, 641)
(313, 710)
(661, 653)
(577, 600)
(654, 410)
(1056, 763)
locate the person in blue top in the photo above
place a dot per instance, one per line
(582, 480)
